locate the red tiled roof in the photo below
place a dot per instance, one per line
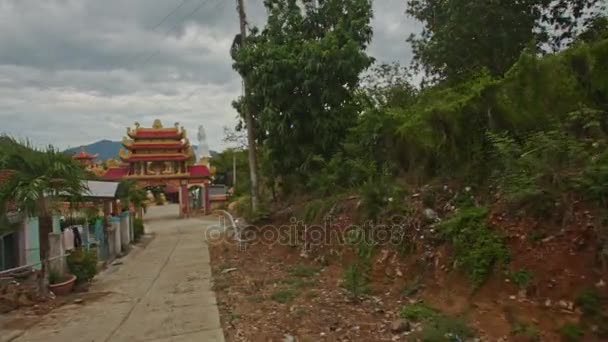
(116, 173)
(6, 174)
(155, 133)
(198, 171)
(84, 155)
(144, 157)
(167, 145)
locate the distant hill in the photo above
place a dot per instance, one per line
(107, 149)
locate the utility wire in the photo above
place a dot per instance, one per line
(175, 27)
(170, 14)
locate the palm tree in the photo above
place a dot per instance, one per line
(129, 192)
(39, 178)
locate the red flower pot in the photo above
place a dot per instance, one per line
(65, 287)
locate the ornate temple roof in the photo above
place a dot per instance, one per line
(115, 173)
(199, 171)
(139, 145)
(84, 155)
(154, 157)
(157, 131)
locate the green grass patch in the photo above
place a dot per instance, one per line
(446, 328)
(521, 278)
(284, 295)
(356, 279)
(419, 312)
(529, 331)
(299, 283)
(304, 271)
(571, 332)
(590, 302)
(477, 248)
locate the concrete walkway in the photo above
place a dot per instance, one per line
(159, 293)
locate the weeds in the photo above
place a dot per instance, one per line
(356, 279)
(418, 312)
(571, 332)
(528, 331)
(412, 287)
(298, 283)
(283, 296)
(435, 325)
(590, 302)
(521, 278)
(477, 247)
(304, 271)
(446, 328)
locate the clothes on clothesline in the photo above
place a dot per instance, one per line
(71, 237)
(68, 239)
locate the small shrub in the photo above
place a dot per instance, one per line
(419, 312)
(590, 302)
(477, 247)
(528, 331)
(412, 287)
(446, 328)
(54, 277)
(356, 279)
(571, 332)
(82, 264)
(138, 228)
(283, 296)
(315, 210)
(304, 271)
(380, 198)
(298, 283)
(521, 278)
(362, 240)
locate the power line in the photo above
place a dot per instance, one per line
(174, 28)
(170, 14)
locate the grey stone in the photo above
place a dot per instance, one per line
(400, 325)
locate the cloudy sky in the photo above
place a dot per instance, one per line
(76, 71)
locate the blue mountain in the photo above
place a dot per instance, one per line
(106, 149)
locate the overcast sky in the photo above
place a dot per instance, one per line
(76, 71)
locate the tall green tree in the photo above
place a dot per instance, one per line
(302, 70)
(130, 193)
(39, 178)
(460, 37)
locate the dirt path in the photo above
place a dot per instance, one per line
(159, 293)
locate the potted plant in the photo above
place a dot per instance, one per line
(61, 285)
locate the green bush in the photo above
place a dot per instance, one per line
(571, 332)
(283, 296)
(446, 328)
(82, 264)
(477, 248)
(521, 278)
(528, 331)
(138, 228)
(436, 326)
(304, 271)
(419, 312)
(590, 302)
(538, 171)
(356, 279)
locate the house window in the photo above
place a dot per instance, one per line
(8, 251)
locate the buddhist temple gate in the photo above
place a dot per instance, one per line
(162, 156)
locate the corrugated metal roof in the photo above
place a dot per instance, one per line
(99, 189)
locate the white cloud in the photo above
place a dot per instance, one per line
(76, 71)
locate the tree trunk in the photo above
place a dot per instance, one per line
(253, 164)
(45, 227)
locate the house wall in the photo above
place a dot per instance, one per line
(32, 242)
